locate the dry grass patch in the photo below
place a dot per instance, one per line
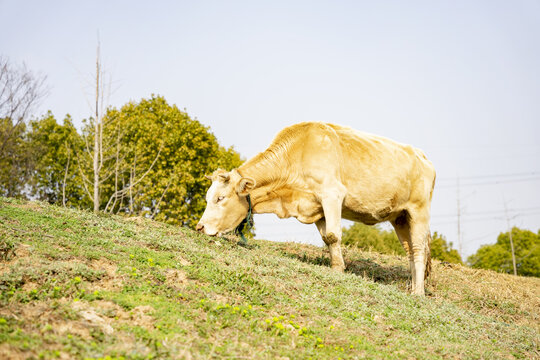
(175, 278)
(14, 254)
(513, 299)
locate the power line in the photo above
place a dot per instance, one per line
(490, 218)
(496, 182)
(453, 179)
(496, 212)
(465, 220)
(475, 239)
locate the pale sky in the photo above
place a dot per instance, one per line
(458, 79)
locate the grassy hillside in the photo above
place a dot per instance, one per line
(77, 285)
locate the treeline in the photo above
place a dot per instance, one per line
(154, 158)
(497, 257)
(374, 238)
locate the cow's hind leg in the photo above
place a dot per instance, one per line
(419, 240)
(413, 231)
(403, 231)
(334, 245)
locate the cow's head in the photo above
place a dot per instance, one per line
(226, 203)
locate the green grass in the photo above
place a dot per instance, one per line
(78, 285)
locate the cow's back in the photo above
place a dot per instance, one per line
(382, 176)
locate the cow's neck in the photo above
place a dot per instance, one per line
(266, 169)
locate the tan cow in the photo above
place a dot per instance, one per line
(320, 173)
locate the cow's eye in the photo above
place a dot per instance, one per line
(219, 199)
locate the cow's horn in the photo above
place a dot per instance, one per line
(225, 177)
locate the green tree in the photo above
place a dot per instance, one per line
(56, 177)
(443, 251)
(16, 162)
(20, 91)
(498, 256)
(372, 238)
(158, 156)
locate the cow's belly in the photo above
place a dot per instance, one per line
(367, 218)
(367, 208)
(371, 210)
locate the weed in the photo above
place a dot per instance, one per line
(7, 248)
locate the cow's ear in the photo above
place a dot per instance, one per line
(245, 186)
(209, 177)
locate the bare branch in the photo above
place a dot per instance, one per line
(65, 175)
(162, 195)
(20, 92)
(85, 180)
(132, 182)
(87, 145)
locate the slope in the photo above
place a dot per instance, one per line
(78, 285)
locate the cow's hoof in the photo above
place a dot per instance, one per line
(419, 292)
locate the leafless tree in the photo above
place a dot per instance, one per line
(98, 130)
(20, 92)
(102, 153)
(68, 149)
(94, 153)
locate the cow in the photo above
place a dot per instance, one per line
(320, 173)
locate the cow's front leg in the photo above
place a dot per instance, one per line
(336, 258)
(330, 230)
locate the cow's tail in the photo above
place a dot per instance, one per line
(428, 256)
